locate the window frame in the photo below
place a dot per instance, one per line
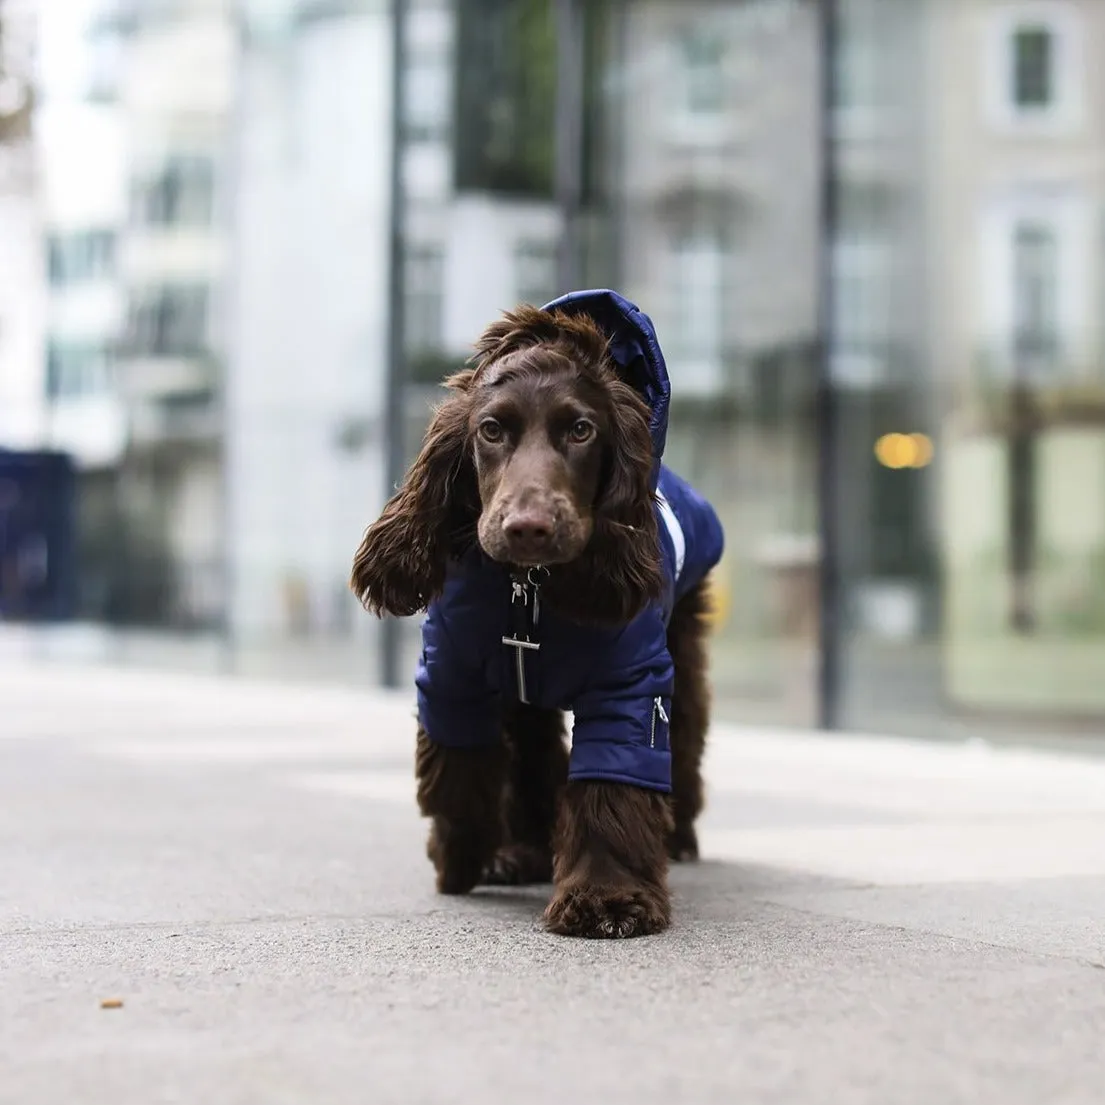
(1018, 38)
(699, 352)
(76, 369)
(687, 125)
(1064, 115)
(77, 257)
(691, 37)
(1049, 334)
(156, 317)
(862, 306)
(424, 296)
(530, 254)
(1068, 213)
(177, 193)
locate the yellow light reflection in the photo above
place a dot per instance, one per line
(904, 450)
(720, 600)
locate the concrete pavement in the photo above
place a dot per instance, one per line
(242, 865)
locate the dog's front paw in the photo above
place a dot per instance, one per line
(519, 865)
(459, 855)
(608, 912)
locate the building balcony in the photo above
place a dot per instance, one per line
(688, 177)
(143, 376)
(158, 254)
(179, 422)
(94, 309)
(1039, 359)
(125, 17)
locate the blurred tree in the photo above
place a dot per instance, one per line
(505, 97)
(599, 26)
(16, 88)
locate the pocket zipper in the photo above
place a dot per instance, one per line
(657, 709)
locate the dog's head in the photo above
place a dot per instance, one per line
(542, 455)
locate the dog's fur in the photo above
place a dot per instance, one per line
(543, 456)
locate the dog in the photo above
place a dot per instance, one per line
(563, 568)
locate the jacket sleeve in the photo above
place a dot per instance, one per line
(621, 717)
(455, 706)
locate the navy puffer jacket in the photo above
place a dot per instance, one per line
(616, 681)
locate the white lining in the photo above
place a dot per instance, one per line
(676, 531)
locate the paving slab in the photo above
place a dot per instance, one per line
(241, 865)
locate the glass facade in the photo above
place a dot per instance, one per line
(871, 234)
(672, 151)
(970, 182)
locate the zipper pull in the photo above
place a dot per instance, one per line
(657, 710)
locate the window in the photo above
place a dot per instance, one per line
(1033, 60)
(1035, 294)
(853, 61)
(535, 272)
(1036, 256)
(1034, 67)
(179, 194)
(425, 293)
(428, 96)
(861, 322)
(505, 97)
(860, 49)
(168, 322)
(76, 369)
(860, 307)
(81, 256)
(697, 307)
(702, 61)
(105, 64)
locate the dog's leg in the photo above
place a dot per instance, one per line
(690, 718)
(460, 789)
(611, 865)
(536, 772)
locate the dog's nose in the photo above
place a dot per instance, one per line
(529, 534)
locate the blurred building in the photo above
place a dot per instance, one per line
(712, 207)
(961, 232)
(885, 592)
(22, 298)
(82, 193)
(1017, 193)
(481, 229)
(969, 165)
(175, 88)
(682, 169)
(82, 196)
(871, 234)
(304, 436)
(131, 130)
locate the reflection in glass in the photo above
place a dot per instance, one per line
(215, 310)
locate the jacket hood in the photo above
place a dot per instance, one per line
(634, 350)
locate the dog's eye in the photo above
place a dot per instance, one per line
(491, 431)
(581, 431)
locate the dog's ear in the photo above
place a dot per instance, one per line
(620, 572)
(625, 519)
(400, 565)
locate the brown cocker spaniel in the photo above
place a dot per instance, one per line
(563, 569)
